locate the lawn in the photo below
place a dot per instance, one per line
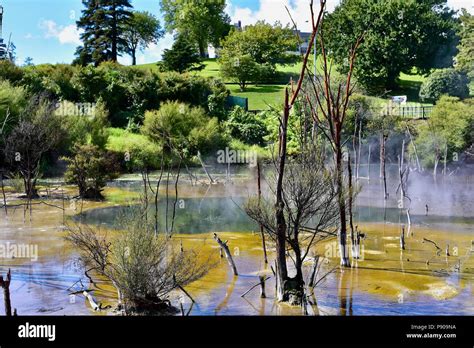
(261, 96)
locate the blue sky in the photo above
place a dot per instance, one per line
(45, 29)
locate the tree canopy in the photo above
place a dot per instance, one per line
(183, 56)
(103, 24)
(465, 57)
(203, 21)
(399, 35)
(139, 32)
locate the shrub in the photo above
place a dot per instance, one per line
(90, 168)
(139, 151)
(444, 81)
(182, 128)
(54, 79)
(144, 267)
(242, 69)
(10, 72)
(451, 126)
(12, 100)
(246, 126)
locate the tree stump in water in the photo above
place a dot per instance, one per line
(402, 238)
(262, 287)
(225, 247)
(5, 284)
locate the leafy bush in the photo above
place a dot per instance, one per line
(444, 81)
(54, 79)
(183, 129)
(138, 150)
(143, 266)
(451, 125)
(10, 72)
(246, 126)
(242, 69)
(90, 168)
(12, 101)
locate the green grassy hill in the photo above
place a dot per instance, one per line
(261, 96)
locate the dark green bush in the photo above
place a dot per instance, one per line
(246, 127)
(10, 72)
(444, 82)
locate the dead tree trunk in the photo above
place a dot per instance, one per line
(342, 207)
(211, 180)
(414, 150)
(228, 255)
(351, 224)
(5, 284)
(368, 162)
(313, 273)
(3, 193)
(402, 238)
(383, 173)
(259, 184)
(282, 271)
(262, 287)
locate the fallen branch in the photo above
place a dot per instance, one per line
(436, 245)
(262, 281)
(92, 301)
(323, 277)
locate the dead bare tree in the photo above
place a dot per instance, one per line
(281, 225)
(332, 102)
(37, 132)
(262, 233)
(310, 213)
(143, 267)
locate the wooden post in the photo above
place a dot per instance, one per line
(225, 247)
(5, 284)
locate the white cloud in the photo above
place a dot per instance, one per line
(274, 10)
(459, 4)
(65, 34)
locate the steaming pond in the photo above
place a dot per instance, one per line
(386, 281)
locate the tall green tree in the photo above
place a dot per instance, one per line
(399, 35)
(103, 23)
(203, 21)
(252, 54)
(139, 32)
(465, 57)
(183, 56)
(264, 42)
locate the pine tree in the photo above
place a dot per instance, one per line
(183, 56)
(102, 22)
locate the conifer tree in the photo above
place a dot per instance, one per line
(102, 22)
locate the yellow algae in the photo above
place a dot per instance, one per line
(441, 291)
(384, 273)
